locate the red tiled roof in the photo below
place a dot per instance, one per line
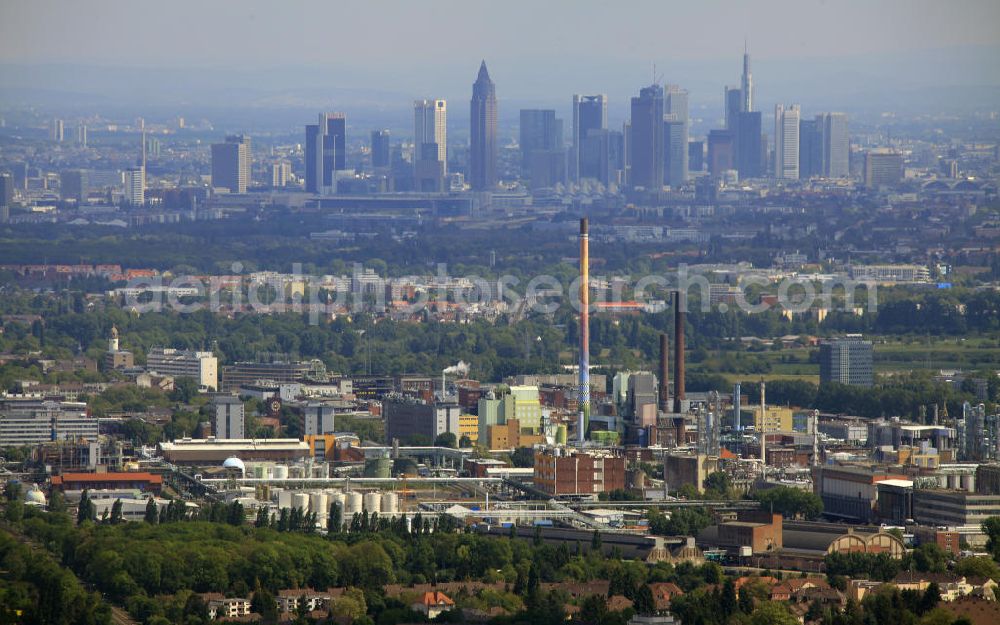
(436, 598)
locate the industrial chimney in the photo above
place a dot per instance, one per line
(664, 374)
(679, 304)
(584, 391)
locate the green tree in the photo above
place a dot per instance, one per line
(86, 511)
(790, 502)
(932, 597)
(978, 566)
(928, 557)
(152, 513)
(772, 613)
(643, 601)
(446, 439)
(262, 602)
(991, 527)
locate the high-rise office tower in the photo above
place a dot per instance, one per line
(696, 155)
(786, 142)
(81, 135)
(746, 84)
(380, 149)
(734, 104)
(748, 146)
(646, 140)
(720, 151)
(230, 418)
(135, 185)
(430, 144)
(281, 173)
(883, 168)
(325, 152)
(430, 126)
(836, 145)
(231, 164)
(541, 141)
(810, 148)
(675, 152)
(56, 130)
(590, 115)
(675, 138)
(73, 185)
(616, 153)
(483, 148)
(6, 196)
(846, 361)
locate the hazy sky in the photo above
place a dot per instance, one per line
(378, 34)
(534, 48)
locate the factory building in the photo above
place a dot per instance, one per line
(567, 471)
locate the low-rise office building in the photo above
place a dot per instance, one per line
(36, 422)
(181, 363)
(953, 508)
(406, 419)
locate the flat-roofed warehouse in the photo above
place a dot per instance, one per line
(215, 451)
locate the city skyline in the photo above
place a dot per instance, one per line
(869, 55)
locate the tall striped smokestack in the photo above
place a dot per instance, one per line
(584, 421)
(679, 304)
(664, 373)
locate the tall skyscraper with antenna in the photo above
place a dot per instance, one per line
(746, 83)
(483, 152)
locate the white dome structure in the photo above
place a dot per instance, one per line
(235, 463)
(35, 496)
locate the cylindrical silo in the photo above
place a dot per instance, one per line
(373, 502)
(280, 472)
(301, 501)
(319, 502)
(285, 499)
(955, 481)
(390, 503)
(969, 483)
(561, 435)
(352, 505)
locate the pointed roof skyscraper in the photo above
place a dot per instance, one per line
(483, 149)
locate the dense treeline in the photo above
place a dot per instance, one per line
(152, 567)
(535, 344)
(909, 395)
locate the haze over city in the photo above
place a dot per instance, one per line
(500, 313)
(853, 55)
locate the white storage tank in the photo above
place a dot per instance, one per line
(284, 499)
(390, 503)
(373, 502)
(954, 481)
(969, 483)
(301, 501)
(320, 504)
(352, 505)
(280, 472)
